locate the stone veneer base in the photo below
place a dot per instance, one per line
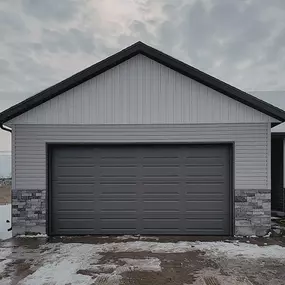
(252, 211)
(28, 211)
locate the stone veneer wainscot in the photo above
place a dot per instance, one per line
(29, 211)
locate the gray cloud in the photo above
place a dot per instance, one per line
(11, 24)
(228, 37)
(51, 10)
(241, 42)
(71, 41)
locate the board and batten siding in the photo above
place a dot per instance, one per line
(251, 146)
(141, 91)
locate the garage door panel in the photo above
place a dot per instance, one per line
(73, 159)
(78, 223)
(164, 223)
(118, 171)
(151, 189)
(163, 215)
(204, 170)
(117, 224)
(205, 187)
(146, 189)
(205, 214)
(190, 180)
(73, 188)
(203, 161)
(74, 198)
(76, 215)
(162, 204)
(208, 223)
(205, 197)
(153, 171)
(117, 161)
(117, 205)
(75, 171)
(74, 205)
(114, 192)
(204, 205)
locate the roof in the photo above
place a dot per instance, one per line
(277, 98)
(127, 53)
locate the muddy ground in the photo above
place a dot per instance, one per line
(121, 261)
(5, 195)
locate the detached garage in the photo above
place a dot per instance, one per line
(141, 143)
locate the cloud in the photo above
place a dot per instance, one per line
(241, 42)
(71, 41)
(62, 10)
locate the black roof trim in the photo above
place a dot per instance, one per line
(127, 53)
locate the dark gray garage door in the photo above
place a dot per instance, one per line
(140, 189)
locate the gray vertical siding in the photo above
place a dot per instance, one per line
(251, 146)
(141, 91)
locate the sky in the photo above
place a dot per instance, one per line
(42, 42)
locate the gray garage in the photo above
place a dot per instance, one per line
(141, 143)
(141, 189)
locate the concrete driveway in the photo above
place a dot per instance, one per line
(130, 260)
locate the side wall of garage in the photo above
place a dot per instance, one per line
(251, 167)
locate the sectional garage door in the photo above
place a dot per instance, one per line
(140, 189)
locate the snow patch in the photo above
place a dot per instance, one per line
(149, 238)
(148, 264)
(243, 250)
(230, 250)
(33, 236)
(268, 235)
(126, 237)
(80, 264)
(114, 277)
(60, 266)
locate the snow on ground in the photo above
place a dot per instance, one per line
(230, 250)
(62, 264)
(237, 249)
(148, 264)
(5, 214)
(33, 236)
(76, 263)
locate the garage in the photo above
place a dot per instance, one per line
(141, 143)
(165, 189)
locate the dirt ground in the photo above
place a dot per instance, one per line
(5, 195)
(141, 261)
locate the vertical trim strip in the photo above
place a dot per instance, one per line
(269, 156)
(13, 151)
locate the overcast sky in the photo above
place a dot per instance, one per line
(42, 42)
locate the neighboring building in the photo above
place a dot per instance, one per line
(141, 143)
(276, 98)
